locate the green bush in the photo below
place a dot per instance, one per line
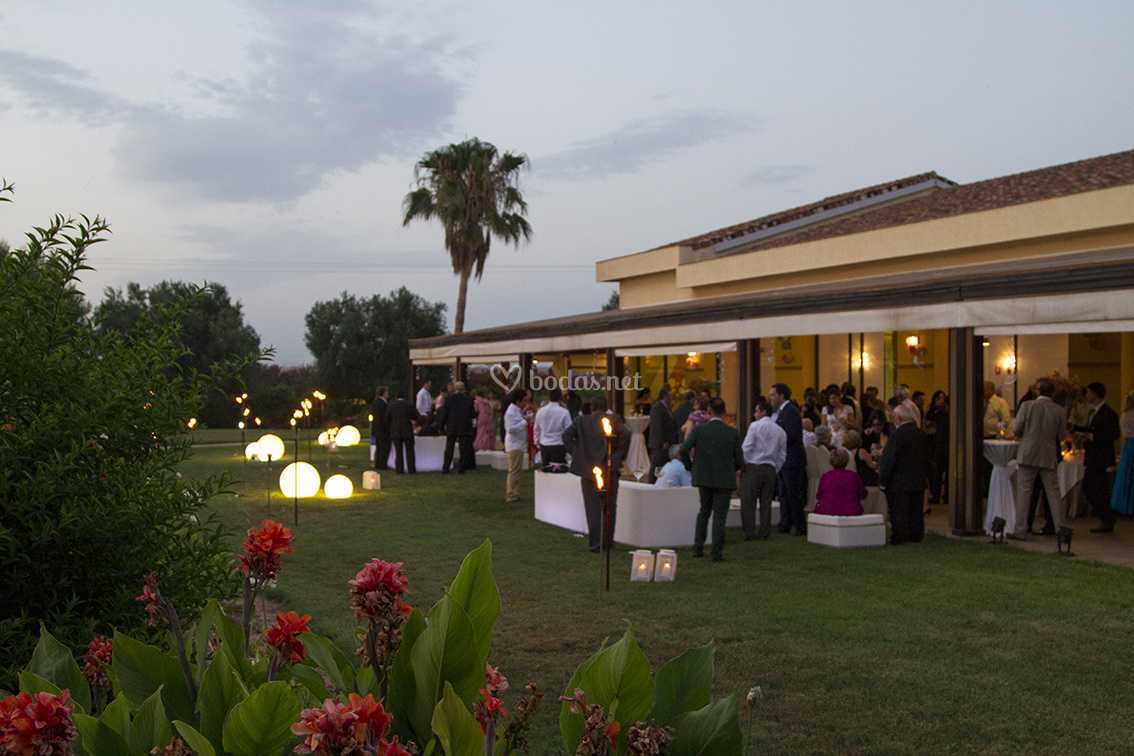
(92, 431)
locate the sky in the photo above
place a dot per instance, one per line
(267, 144)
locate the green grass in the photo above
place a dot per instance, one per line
(944, 647)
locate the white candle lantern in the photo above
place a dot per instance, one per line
(666, 566)
(642, 566)
(371, 480)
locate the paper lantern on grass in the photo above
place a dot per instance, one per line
(348, 435)
(642, 566)
(272, 445)
(338, 486)
(254, 452)
(665, 569)
(371, 480)
(299, 480)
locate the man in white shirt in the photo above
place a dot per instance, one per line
(997, 413)
(548, 426)
(765, 451)
(424, 401)
(515, 444)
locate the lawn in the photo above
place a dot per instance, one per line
(943, 647)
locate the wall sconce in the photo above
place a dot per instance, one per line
(986, 343)
(371, 480)
(272, 445)
(348, 435)
(862, 361)
(692, 359)
(642, 566)
(300, 480)
(665, 568)
(913, 342)
(338, 486)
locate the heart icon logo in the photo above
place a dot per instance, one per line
(506, 379)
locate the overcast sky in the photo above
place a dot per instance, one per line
(267, 144)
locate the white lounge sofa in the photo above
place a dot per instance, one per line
(846, 532)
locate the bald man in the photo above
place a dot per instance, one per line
(904, 475)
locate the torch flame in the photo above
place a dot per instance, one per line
(599, 483)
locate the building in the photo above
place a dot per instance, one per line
(919, 281)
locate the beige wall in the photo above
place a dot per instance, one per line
(651, 289)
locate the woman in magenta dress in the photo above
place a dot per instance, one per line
(485, 413)
(841, 491)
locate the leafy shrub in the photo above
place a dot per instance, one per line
(91, 437)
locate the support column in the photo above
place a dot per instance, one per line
(743, 384)
(525, 370)
(966, 415)
(411, 380)
(615, 399)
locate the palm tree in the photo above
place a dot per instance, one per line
(473, 189)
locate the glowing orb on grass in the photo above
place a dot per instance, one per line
(272, 445)
(348, 435)
(338, 486)
(254, 452)
(299, 480)
(324, 438)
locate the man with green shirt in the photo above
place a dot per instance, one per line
(713, 450)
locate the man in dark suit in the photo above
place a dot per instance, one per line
(1098, 437)
(587, 444)
(456, 422)
(661, 433)
(681, 414)
(793, 475)
(380, 428)
(716, 460)
(402, 415)
(904, 474)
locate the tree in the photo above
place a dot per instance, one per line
(211, 328)
(612, 303)
(473, 190)
(92, 435)
(360, 344)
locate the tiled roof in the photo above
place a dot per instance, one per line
(796, 213)
(1088, 175)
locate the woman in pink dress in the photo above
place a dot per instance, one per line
(841, 491)
(485, 414)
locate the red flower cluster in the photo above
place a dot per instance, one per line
(263, 549)
(151, 599)
(596, 727)
(37, 725)
(96, 661)
(375, 592)
(356, 727)
(284, 635)
(489, 708)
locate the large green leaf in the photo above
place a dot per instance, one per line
(220, 691)
(140, 669)
(445, 651)
(456, 727)
(321, 651)
(150, 728)
(98, 739)
(616, 678)
(683, 684)
(53, 661)
(116, 716)
(713, 730)
(228, 632)
(401, 689)
(261, 724)
(32, 683)
(310, 679)
(194, 739)
(475, 590)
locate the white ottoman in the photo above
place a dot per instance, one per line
(846, 532)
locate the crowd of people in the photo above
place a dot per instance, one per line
(819, 453)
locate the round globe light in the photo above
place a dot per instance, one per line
(299, 480)
(348, 435)
(338, 486)
(272, 445)
(254, 452)
(324, 438)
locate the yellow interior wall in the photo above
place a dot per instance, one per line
(1096, 357)
(933, 373)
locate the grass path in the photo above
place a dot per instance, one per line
(946, 647)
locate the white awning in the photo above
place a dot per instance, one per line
(1095, 326)
(486, 359)
(651, 351)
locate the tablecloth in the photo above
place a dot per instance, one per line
(638, 457)
(1001, 488)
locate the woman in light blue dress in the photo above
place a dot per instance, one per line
(1122, 498)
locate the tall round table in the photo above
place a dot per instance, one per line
(637, 457)
(1001, 453)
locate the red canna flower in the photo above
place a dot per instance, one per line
(8, 427)
(488, 709)
(37, 725)
(372, 720)
(393, 748)
(151, 599)
(263, 549)
(96, 661)
(494, 681)
(356, 727)
(376, 590)
(611, 733)
(284, 635)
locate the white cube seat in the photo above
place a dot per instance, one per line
(846, 532)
